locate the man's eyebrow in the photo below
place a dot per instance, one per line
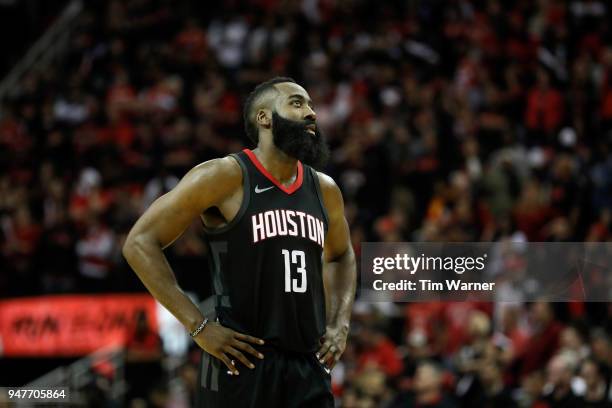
(301, 97)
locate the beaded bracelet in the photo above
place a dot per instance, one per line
(199, 328)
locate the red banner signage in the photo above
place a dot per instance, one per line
(69, 325)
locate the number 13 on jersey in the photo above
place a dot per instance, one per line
(295, 257)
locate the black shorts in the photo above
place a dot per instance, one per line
(282, 379)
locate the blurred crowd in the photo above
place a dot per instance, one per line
(463, 120)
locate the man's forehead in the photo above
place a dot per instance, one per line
(290, 88)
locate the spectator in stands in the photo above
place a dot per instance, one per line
(94, 250)
(143, 358)
(22, 239)
(427, 389)
(472, 357)
(494, 393)
(558, 391)
(58, 254)
(370, 389)
(596, 394)
(601, 346)
(544, 339)
(377, 350)
(530, 393)
(544, 112)
(572, 339)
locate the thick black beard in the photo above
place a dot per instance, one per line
(292, 138)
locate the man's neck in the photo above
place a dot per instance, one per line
(278, 164)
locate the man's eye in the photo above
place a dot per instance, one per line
(297, 103)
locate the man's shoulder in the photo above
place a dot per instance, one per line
(224, 167)
(332, 196)
(328, 185)
(219, 176)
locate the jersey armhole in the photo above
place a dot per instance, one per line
(246, 197)
(315, 178)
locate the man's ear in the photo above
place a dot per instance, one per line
(264, 118)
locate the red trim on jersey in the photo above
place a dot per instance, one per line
(289, 190)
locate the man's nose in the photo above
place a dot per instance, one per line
(310, 114)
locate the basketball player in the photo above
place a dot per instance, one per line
(276, 231)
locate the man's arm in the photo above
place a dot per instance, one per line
(339, 274)
(204, 186)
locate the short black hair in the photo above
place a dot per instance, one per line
(249, 126)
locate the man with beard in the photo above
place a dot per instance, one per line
(276, 232)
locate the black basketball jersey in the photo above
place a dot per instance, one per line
(267, 263)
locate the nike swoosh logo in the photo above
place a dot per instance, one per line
(261, 190)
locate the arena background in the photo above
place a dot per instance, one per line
(458, 120)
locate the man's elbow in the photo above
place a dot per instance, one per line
(347, 259)
(131, 245)
(128, 247)
(349, 255)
